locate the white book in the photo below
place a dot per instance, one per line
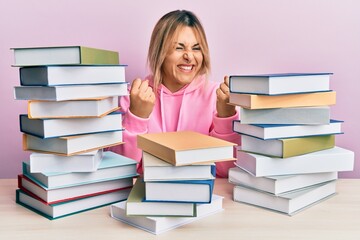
(67, 146)
(156, 169)
(112, 166)
(58, 195)
(193, 191)
(61, 127)
(136, 206)
(73, 108)
(278, 185)
(54, 211)
(290, 203)
(298, 115)
(275, 131)
(71, 74)
(83, 162)
(158, 225)
(331, 160)
(284, 83)
(69, 92)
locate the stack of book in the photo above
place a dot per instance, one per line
(72, 95)
(178, 180)
(288, 159)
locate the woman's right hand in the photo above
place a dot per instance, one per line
(142, 98)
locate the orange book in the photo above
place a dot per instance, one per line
(186, 147)
(252, 101)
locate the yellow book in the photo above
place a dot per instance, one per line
(287, 147)
(252, 101)
(185, 147)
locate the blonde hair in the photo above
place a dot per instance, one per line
(162, 37)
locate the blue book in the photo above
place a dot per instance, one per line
(113, 166)
(194, 191)
(275, 131)
(282, 83)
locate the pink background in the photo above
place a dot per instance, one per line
(244, 37)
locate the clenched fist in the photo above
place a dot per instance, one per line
(223, 108)
(142, 98)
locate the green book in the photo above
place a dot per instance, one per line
(136, 206)
(287, 147)
(63, 55)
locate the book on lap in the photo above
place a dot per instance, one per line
(300, 115)
(283, 83)
(70, 75)
(193, 191)
(287, 147)
(290, 203)
(61, 127)
(68, 146)
(84, 108)
(61, 55)
(275, 131)
(112, 166)
(70, 92)
(65, 194)
(63, 209)
(155, 169)
(331, 160)
(84, 162)
(278, 185)
(136, 206)
(253, 101)
(158, 225)
(185, 147)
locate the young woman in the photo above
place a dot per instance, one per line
(177, 95)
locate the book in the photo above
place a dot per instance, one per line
(83, 162)
(278, 185)
(253, 101)
(282, 83)
(331, 160)
(68, 146)
(275, 131)
(113, 166)
(60, 55)
(61, 127)
(136, 206)
(300, 115)
(58, 195)
(84, 108)
(158, 225)
(63, 209)
(70, 92)
(185, 147)
(71, 74)
(287, 147)
(155, 169)
(193, 191)
(290, 203)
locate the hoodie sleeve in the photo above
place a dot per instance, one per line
(133, 126)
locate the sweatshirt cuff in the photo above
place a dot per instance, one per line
(135, 124)
(225, 125)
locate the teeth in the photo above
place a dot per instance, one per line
(186, 67)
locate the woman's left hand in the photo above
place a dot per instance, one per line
(224, 109)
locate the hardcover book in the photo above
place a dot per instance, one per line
(155, 169)
(71, 74)
(158, 225)
(275, 131)
(185, 147)
(283, 83)
(60, 55)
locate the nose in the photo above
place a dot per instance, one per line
(188, 56)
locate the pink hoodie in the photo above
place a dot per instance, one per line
(191, 108)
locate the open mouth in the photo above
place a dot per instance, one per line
(186, 68)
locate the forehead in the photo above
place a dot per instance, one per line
(186, 35)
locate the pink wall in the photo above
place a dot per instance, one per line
(244, 37)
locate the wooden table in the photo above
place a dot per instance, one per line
(334, 218)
